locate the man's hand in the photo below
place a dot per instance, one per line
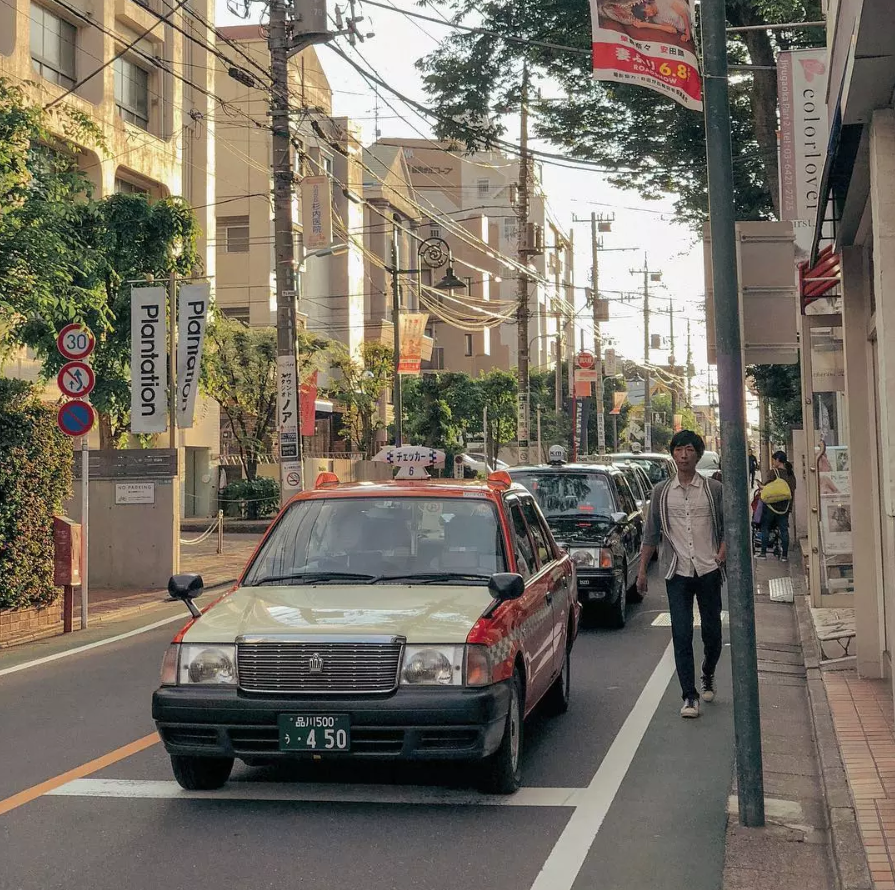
(641, 582)
(721, 555)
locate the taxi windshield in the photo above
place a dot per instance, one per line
(376, 540)
(564, 493)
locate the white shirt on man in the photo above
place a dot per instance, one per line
(690, 527)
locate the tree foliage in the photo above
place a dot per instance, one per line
(781, 387)
(35, 478)
(646, 142)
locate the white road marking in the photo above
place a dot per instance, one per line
(592, 803)
(314, 793)
(86, 648)
(663, 619)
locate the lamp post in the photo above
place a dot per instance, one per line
(433, 253)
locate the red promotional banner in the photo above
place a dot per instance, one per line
(308, 407)
(412, 331)
(618, 399)
(648, 43)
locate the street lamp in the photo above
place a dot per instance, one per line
(434, 253)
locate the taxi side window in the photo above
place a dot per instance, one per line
(542, 543)
(525, 558)
(628, 503)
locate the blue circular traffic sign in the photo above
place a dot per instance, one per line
(75, 418)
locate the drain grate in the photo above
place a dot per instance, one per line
(780, 590)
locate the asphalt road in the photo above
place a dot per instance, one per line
(618, 793)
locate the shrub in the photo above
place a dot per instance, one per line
(35, 478)
(250, 498)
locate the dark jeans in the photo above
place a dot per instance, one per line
(681, 591)
(769, 519)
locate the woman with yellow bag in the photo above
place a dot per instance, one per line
(777, 492)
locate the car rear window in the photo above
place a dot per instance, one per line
(565, 493)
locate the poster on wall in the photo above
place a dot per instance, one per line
(834, 481)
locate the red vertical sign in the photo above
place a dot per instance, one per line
(308, 409)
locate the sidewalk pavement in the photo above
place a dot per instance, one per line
(811, 837)
(217, 571)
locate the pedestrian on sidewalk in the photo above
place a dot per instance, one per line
(775, 512)
(686, 525)
(753, 468)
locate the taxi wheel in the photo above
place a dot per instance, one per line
(617, 613)
(556, 701)
(201, 773)
(502, 771)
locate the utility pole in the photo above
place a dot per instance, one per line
(671, 362)
(285, 38)
(647, 395)
(397, 397)
(522, 205)
(689, 368)
(731, 378)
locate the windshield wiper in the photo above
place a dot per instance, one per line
(308, 577)
(433, 577)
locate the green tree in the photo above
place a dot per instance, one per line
(360, 385)
(499, 396)
(429, 419)
(614, 423)
(555, 429)
(646, 142)
(781, 387)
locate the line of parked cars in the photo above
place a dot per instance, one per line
(417, 620)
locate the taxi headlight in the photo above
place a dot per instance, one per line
(432, 666)
(207, 664)
(583, 557)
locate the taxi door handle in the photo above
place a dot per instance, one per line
(549, 596)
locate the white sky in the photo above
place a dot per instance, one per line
(644, 225)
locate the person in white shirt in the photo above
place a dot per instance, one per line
(686, 525)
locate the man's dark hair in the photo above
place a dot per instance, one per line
(687, 437)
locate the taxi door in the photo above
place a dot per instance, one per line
(534, 618)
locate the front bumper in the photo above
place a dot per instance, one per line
(409, 724)
(598, 586)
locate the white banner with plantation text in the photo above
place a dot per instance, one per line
(149, 360)
(192, 317)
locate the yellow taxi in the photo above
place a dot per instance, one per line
(418, 620)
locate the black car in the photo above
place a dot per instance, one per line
(593, 514)
(658, 467)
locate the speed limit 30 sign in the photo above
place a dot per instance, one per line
(75, 342)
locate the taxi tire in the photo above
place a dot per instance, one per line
(201, 773)
(617, 613)
(499, 775)
(556, 700)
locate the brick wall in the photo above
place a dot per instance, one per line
(24, 625)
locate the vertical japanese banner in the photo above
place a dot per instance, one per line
(308, 405)
(192, 317)
(412, 330)
(316, 212)
(287, 414)
(149, 360)
(648, 43)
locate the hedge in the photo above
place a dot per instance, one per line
(35, 478)
(250, 499)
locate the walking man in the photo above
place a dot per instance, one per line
(686, 525)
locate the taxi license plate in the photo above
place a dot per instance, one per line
(315, 732)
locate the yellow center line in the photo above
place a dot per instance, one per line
(29, 794)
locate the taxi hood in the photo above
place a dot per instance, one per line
(422, 613)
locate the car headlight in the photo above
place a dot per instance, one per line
(432, 666)
(207, 665)
(601, 558)
(583, 557)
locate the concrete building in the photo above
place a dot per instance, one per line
(852, 416)
(477, 192)
(157, 121)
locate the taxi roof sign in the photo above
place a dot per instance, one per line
(411, 460)
(500, 480)
(326, 480)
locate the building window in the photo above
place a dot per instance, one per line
(132, 93)
(327, 162)
(438, 358)
(509, 228)
(484, 187)
(233, 234)
(123, 187)
(468, 344)
(52, 47)
(434, 232)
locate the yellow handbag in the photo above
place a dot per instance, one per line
(776, 491)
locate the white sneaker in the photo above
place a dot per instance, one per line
(690, 708)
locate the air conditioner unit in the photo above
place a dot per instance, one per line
(534, 239)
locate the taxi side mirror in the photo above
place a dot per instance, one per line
(506, 586)
(619, 517)
(186, 588)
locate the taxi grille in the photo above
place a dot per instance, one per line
(318, 667)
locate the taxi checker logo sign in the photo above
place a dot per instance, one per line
(411, 460)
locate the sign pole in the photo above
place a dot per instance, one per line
(172, 359)
(732, 398)
(85, 525)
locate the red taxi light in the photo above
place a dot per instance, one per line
(500, 480)
(326, 480)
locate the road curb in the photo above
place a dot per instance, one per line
(849, 858)
(130, 611)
